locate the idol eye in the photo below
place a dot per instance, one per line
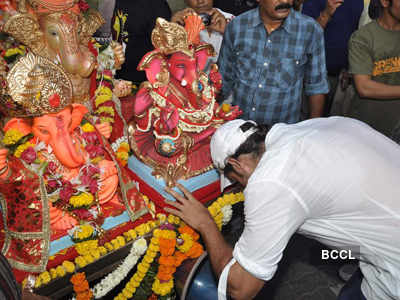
(43, 131)
(180, 66)
(53, 33)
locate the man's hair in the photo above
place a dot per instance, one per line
(254, 143)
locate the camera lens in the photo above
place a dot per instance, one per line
(206, 18)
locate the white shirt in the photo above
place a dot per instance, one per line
(215, 39)
(333, 179)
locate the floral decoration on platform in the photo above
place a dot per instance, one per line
(159, 246)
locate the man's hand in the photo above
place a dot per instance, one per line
(331, 6)
(122, 88)
(218, 21)
(191, 211)
(179, 16)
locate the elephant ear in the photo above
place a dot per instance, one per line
(78, 111)
(22, 125)
(25, 28)
(203, 52)
(89, 24)
(155, 66)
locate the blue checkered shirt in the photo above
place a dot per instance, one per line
(267, 72)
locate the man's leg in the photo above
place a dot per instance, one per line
(352, 289)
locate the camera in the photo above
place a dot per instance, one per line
(206, 18)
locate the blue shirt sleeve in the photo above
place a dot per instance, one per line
(315, 77)
(225, 61)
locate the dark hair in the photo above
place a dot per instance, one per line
(253, 144)
(375, 8)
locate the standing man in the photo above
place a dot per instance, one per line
(214, 19)
(374, 58)
(268, 55)
(333, 179)
(339, 19)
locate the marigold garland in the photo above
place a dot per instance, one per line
(81, 287)
(171, 244)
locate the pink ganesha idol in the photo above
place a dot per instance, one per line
(175, 111)
(57, 170)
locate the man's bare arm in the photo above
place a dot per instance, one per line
(317, 103)
(241, 284)
(368, 88)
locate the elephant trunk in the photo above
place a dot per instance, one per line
(77, 60)
(67, 150)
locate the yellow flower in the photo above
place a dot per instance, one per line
(45, 277)
(123, 156)
(53, 273)
(115, 243)
(154, 247)
(142, 268)
(187, 244)
(12, 136)
(124, 146)
(87, 127)
(80, 261)
(105, 109)
(157, 233)
(154, 241)
(104, 94)
(38, 282)
(134, 283)
(102, 250)
(161, 217)
(68, 266)
(127, 293)
(148, 259)
(121, 240)
(22, 148)
(89, 258)
(162, 289)
(83, 199)
(108, 246)
(60, 271)
(96, 254)
(171, 219)
(83, 232)
(226, 107)
(131, 287)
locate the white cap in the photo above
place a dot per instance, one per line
(224, 143)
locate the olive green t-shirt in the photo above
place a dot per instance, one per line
(375, 51)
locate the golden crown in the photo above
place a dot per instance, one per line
(170, 37)
(52, 5)
(35, 86)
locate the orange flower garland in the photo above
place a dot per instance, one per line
(81, 287)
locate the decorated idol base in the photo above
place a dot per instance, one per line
(204, 187)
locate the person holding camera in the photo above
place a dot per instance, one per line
(214, 19)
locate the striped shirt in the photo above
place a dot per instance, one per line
(267, 72)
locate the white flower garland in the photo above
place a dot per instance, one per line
(118, 143)
(226, 214)
(101, 289)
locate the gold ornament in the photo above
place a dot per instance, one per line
(170, 37)
(37, 86)
(54, 5)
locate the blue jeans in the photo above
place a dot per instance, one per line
(352, 289)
